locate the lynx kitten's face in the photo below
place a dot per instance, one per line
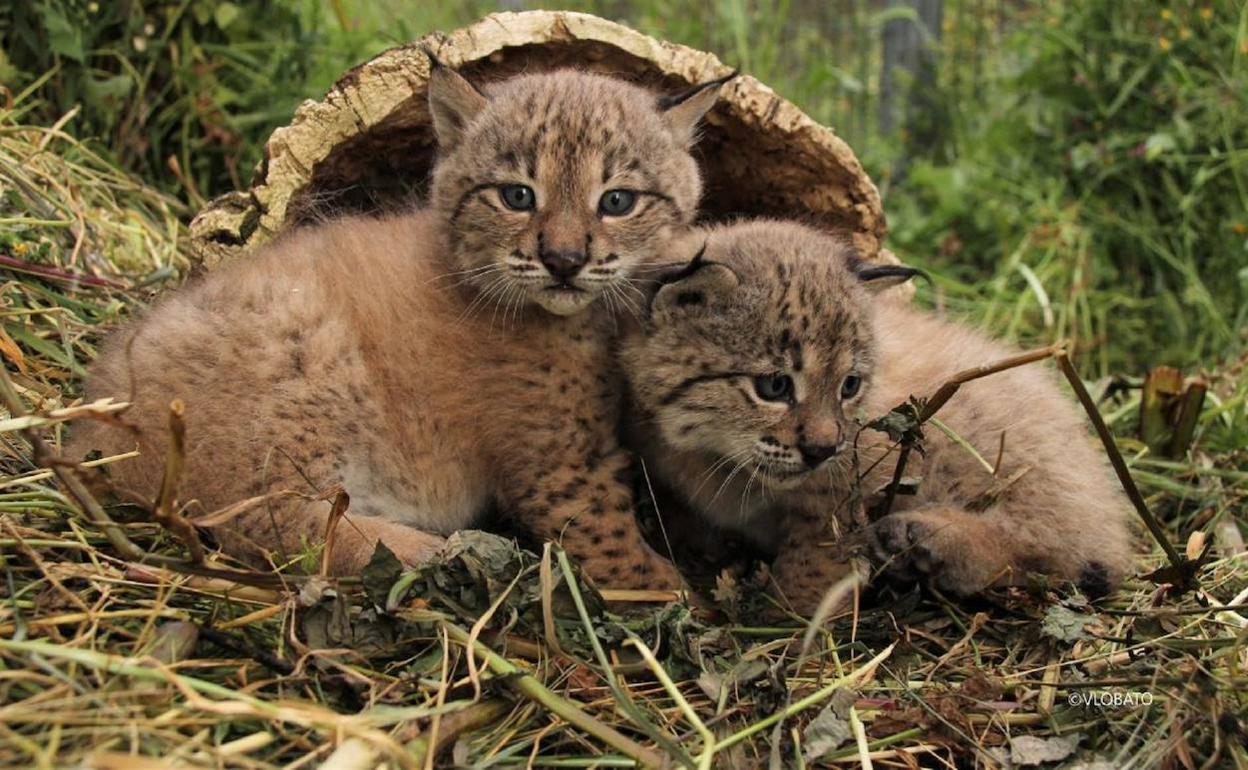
(556, 186)
(757, 354)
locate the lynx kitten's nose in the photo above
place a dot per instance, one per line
(563, 264)
(814, 454)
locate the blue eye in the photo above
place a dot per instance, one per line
(774, 387)
(518, 197)
(617, 203)
(851, 386)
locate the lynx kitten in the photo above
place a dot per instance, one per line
(749, 380)
(436, 362)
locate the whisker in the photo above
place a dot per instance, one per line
(722, 486)
(520, 299)
(499, 305)
(745, 495)
(479, 301)
(616, 288)
(464, 276)
(721, 462)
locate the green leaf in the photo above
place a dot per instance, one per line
(225, 15)
(1065, 624)
(112, 90)
(1083, 155)
(64, 37)
(1158, 145)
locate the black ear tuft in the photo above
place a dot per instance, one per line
(453, 102)
(682, 112)
(891, 271)
(877, 277)
(692, 266)
(693, 285)
(434, 62)
(670, 101)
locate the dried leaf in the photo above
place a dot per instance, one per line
(902, 425)
(1096, 763)
(381, 572)
(830, 729)
(1029, 750)
(173, 642)
(711, 684)
(10, 350)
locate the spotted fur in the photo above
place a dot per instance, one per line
(429, 362)
(781, 298)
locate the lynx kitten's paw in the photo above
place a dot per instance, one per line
(940, 545)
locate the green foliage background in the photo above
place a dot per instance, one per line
(1090, 182)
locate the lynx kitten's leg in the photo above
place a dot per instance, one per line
(356, 538)
(272, 536)
(807, 564)
(589, 509)
(965, 552)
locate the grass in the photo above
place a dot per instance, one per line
(499, 658)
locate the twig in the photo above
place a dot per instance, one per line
(945, 392)
(55, 274)
(247, 650)
(44, 456)
(164, 510)
(125, 547)
(1115, 459)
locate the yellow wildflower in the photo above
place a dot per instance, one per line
(1206, 13)
(1165, 14)
(1184, 33)
(1164, 43)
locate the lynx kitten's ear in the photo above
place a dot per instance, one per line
(694, 286)
(453, 102)
(681, 112)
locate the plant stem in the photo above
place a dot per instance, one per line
(805, 703)
(528, 686)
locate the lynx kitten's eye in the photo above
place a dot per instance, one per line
(617, 203)
(518, 197)
(774, 387)
(851, 386)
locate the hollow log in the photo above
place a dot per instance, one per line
(368, 145)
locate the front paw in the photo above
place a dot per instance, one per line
(951, 551)
(900, 545)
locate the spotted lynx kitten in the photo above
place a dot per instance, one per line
(437, 362)
(749, 379)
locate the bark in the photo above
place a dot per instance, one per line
(368, 145)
